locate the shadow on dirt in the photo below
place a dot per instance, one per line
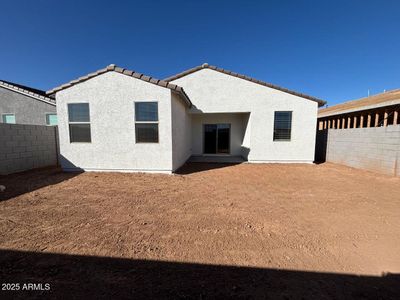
(196, 167)
(80, 277)
(28, 181)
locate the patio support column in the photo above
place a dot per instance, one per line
(385, 118)
(355, 122)
(361, 121)
(376, 119)
(333, 123)
(343, 123)
(369, 120)
(325, 124)
(348, 122)
(338, 123)
(395, 117)
(329, 124)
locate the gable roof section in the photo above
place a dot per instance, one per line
(207, 66)
(113, 68)
(375, 101)
(27, 91)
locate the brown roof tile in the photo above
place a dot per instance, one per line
(127, 72)
(153, 80)
(205, 65)
(145, 78)
(137, 75)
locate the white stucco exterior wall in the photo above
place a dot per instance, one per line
(215, 92)
(181, 132)
(111, 98)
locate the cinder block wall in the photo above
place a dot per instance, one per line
(24, 147)
(375, 149)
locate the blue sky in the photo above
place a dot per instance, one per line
(334, 50)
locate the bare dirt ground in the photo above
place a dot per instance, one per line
(244, 231)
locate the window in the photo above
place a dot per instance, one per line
(282, 125)
(51, 119)
(146, 122)
(79, 123)
(217, 138)
(9, 118)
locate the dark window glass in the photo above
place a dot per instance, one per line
(282, 125)
(223, 138)
(146, 111)
(78, 112)
(210, 138)
(79, 133)
(216, 138)
(146, 133)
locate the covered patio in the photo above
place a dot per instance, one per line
(220, 137)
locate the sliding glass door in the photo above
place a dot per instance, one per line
(217, 138)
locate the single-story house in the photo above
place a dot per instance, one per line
(121, 120)
(20, 104)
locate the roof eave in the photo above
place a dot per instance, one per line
(185, 97)
(114, 68)
(207, 66)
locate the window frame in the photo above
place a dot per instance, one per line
(8, 114)
(291, 126)
(79, 123)
(46, 114)
(146, 122)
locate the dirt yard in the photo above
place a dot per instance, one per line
(250, 231)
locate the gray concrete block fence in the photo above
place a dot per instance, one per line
(25, 147)
(375, 149)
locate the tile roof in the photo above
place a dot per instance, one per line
(31, 92)
(375, 101)
(207, 66)
(175, 88)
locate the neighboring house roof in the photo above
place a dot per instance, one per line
(207, 66)
(375, 101)
(175, 88)
(27, 91)
(24, 87)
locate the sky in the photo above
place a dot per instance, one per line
(333, 50)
